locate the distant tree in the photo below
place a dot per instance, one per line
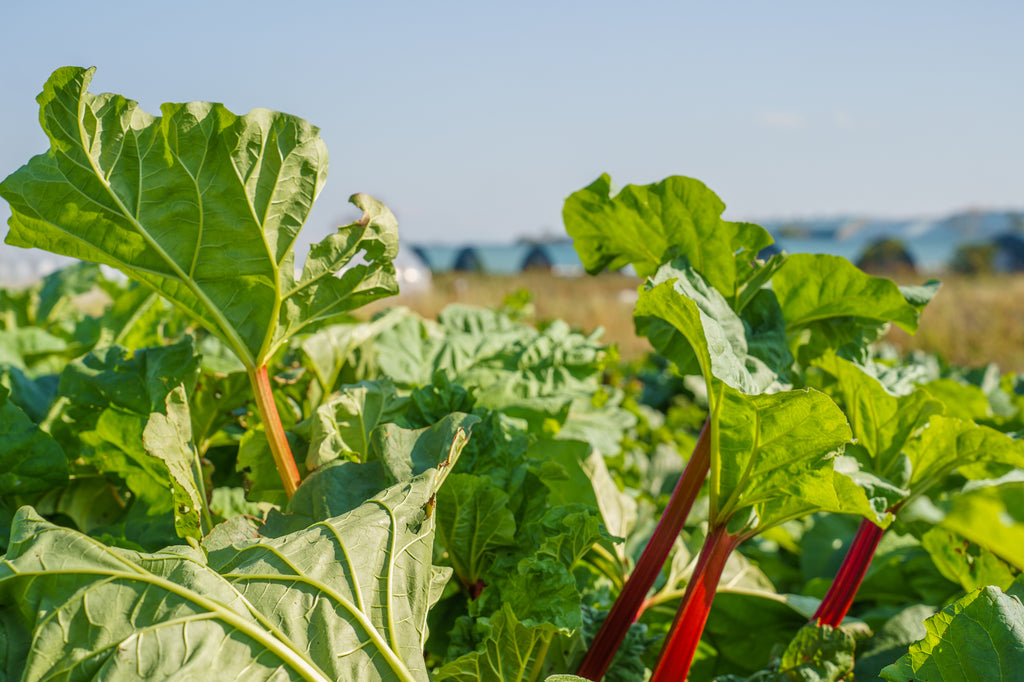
(974, 259)
(887, 255)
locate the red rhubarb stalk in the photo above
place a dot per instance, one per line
(630, 600)
(275, 431)
(844, 588)
(683, 638)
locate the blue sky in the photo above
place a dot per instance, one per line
(475, 120)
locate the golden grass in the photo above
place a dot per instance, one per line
(970, 322)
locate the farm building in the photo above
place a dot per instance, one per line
(558, 257)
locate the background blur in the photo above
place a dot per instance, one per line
(473, 121)
(834, 125)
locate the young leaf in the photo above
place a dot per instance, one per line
(112, 396)
(687, 320)
(341, 426)
(510, 651)
(473, 522)
(168, 437)
(882, 423)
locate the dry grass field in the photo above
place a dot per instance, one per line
(971, 321)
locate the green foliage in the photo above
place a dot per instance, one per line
(178, 610)
(980, 637)
(148, 531)
(160, 197)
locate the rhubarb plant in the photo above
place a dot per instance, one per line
(204, 207)
(707, 307)
(904, 447)
(344, 598)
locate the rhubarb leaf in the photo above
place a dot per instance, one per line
(30, 459)
(345, 599)
(340, 428)
(843, 309)
(978, 638)
(882, 423)
(947, 443)
(647, 225)
(200, 204)
(168, 438)
(508, 650)
(473, 522)
(960, 562)
(815, 287)
(990, 513)
(775, 455)
(112, 395)
(691, 324)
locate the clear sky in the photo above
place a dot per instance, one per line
(474, 120)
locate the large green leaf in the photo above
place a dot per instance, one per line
(775, 456)
(30, 459)
(345, 599)
(980, 638)
(882, 423)
(200, 204)
(473, 522)
(947, 443)
(647, 225)
(815, 287)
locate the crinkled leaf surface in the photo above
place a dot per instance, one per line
(647, 225)
(510, 651)
(979, 638)
(402, 454)
(112, 395)
(345, 599)
(341, 426)
(408, 452)
(473, 522)
(202, 205)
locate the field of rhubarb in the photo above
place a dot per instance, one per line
(228, 471)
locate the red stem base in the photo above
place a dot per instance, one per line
(601, 652)
(839, 598)
(683, 638)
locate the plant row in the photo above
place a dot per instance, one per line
(220, 470)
